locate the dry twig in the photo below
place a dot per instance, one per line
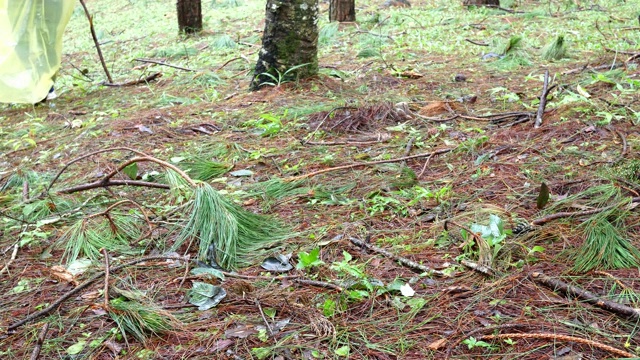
(586, 296)
(543, 100)
(96, 42)
(43, 334)
(370, 163)
(402, 260)
(85, 284)
(560, 337)
(157, 62)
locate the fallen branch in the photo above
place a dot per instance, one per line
(96, 42)
(543, 100)
(477, 267)
(13, 257)
(106, 278)
(135, 82)
(545, 219)
(43, 334)
(559, 337)
(103, 184)
(482, 330)
(370, 163)
(55, 178)
(403, 261)
(586, 296)
(150, 61)
(85, 284)
(476, 42)
(264, 318)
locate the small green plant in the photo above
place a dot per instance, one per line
(472, 343)
(269, 124)
(309, 260)
(380, 204)
(282, 77)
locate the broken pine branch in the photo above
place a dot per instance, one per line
(543, 100)
(586, 296)
(560, 337)
(402, 260)
(85, 284)
(370, 163)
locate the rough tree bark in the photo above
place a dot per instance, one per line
(189, 16)
(290, 39)
(482, 2)
(342, 10)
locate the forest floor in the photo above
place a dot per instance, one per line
(505, 240)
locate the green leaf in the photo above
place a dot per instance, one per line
(131, 171)
(309, 259)
(76, 348)
(342, 351)
(543, 197)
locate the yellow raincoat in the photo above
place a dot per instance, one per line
(30, 47)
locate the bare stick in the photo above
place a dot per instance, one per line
(477, 267)
(106, 278)
(184, 277)
(482, 330)
(543, 100)
(403, 261)
(157, 62)
(113, 206)
(89, 155)
(41, 337)
(560, 337)
(85, 284)
(136, 82)
(151, 159)
(13, 257)
(476, 42)
(351, 166)
(109, 183)
(587, 296)
(264, 318)
(95, 41)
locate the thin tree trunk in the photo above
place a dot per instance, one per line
(290, 39)
(189, 16)
(342, 10)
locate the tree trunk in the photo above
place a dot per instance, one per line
(290, 39)
(342, 10)
(481, 2)
(189, 16)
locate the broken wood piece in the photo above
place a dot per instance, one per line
(157, 62)
(586, 296)
(543, 100)
(403, 261)
(88, 282)
(560, 337)
(135, 82)
(351, 166)
(477, 267)
(41, 337)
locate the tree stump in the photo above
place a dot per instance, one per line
(342, 10)
(189, 16)
(290, 39)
